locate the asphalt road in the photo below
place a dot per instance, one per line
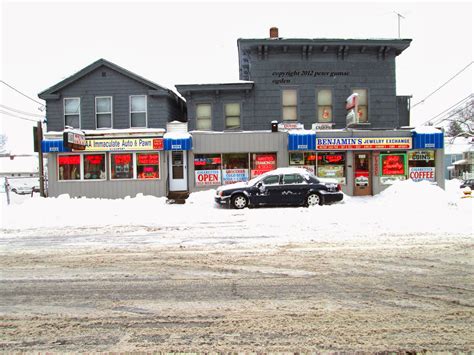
(400, 293)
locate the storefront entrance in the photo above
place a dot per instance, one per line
(178, 170)
(362, 174)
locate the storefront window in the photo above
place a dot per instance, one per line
(305, 160)
(421, 165)
(207, 169)
(262, 162)
(69, 167)
(94, 166)
(148, 166)
(393, 167)
(121, 166)
(332, 165)
(235, 168)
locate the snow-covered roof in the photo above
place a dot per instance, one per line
(177, 135)
(457, 145)
(19, 164)
(111, 132)
(426, 129)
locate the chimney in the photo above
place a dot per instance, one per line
(274, 33)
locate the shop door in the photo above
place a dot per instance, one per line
(178, 170)
(362, 174)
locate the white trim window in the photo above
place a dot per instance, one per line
(122, 166)
(232, 115)
(204, 117)
(289, 101)
(69, 167)
(103, 111)
(138, 111)
(94, 166)
(324, 105)
(72, 112)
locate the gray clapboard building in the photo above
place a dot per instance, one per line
(289, 109)
(327, 105)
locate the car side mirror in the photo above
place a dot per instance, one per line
(259, 184)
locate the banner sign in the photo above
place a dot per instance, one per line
(230, 176)
(422, 173)
(123, 144)
(74, 139)
(363, 143)
(207, 177)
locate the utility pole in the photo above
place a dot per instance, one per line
(39, 135)
(399, 17)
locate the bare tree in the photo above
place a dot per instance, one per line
(461, 120)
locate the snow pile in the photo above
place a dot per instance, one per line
(405, 207)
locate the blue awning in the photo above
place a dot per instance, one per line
(428, 140)
(299, 141)
(53, 146)
(178, 144)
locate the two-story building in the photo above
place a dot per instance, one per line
(289, 109)
(124, 117)
(328, 105)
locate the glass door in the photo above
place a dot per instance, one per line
(362, 174)
(178, 168)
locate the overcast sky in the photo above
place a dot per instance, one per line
(195, 42)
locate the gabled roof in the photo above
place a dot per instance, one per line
(97, 64)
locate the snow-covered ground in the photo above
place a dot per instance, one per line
(406, 208)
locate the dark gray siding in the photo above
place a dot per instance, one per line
(161, 108)
(278, 70)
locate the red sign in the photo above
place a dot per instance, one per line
(69, 159)
(148, 159)
(158, 143)
(393, 165)
(122, 159)
(94, 159)
(331, 158)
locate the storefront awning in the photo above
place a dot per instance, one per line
(178, 141)
(301, 141)
(428, 140)
(53, 146)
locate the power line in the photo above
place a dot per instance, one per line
(448, 109)
(22, 112)
(19, 117)
(422, 101)
(18, 91)
(454, 114)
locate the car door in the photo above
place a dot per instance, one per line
(268, 190)
(294, 189)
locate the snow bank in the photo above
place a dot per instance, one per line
(404, 207)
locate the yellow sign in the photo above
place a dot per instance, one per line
(421, 155)
(123, 144)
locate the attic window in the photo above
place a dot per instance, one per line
(104, 74)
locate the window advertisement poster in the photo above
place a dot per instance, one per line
(207, 177)
(262, 163)
(421, 155)
(309, 168)
(231, 176)
(422, 173)
(332, 171)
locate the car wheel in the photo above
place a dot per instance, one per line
(313, 200)
(239, 202)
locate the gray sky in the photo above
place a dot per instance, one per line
(195, 42)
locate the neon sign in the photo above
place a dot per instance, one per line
(393, 164)
(122, 159)
(94, 159)
(69, 159)
(331, 158)
(147, 159)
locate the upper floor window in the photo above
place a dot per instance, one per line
(232, 115)
(362, 112)
(72, 112)
(103, 111)
(324, 105)
(203, 116)
(289, 99)
(138, 111)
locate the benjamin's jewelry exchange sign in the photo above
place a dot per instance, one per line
(363, 143)
(123, 144)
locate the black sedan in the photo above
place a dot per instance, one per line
(280, 187)
(467, 183)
